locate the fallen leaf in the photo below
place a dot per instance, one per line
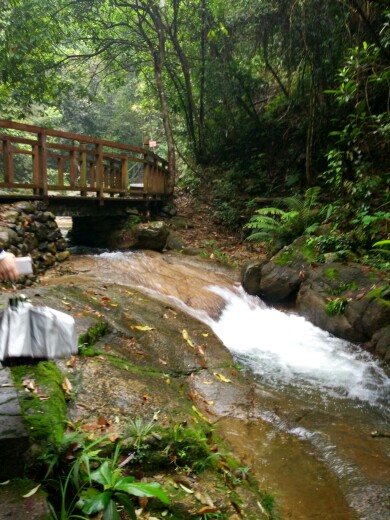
(142, 327)
(67, 386)
(72, 362)
(5, 483)
(187, 338)
(221, 377)
(201, 351)
(102, 421)
(205, 334)
(162, 361)
(201, 363)
(32, 492)
(143, 502)
(207, 509)
(199, 414)
(186, 489)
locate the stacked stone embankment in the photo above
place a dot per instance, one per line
(28, 228)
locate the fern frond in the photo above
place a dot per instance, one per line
(270, 211)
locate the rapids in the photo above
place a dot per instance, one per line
(321, 403)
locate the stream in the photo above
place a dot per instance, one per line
(317, 432)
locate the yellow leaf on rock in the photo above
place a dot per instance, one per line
(142, 327)
(199, 413)
(221, 377)
(187, 338)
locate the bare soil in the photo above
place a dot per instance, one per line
(201, 230)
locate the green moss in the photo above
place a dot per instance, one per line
(284, 258)
(94, 333)
(343, 287)
(44, 412)
(132, 221)
(331, 273)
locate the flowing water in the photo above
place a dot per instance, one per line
(320, 405)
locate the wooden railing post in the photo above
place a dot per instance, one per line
(83, 170)
(99, 172)
(73, 167)
(124, 182)
(35, 164)
(42, 153)
(8, 162)
(146, 166)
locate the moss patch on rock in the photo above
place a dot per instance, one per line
(42, 400)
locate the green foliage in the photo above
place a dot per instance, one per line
(278, 227)
(336, 306)
(358, 155)
(383, 246)
(110, 488)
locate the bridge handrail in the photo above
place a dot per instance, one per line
(101, 169)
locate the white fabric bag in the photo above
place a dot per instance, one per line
(36, 332)
(15, 331)
(53, 333)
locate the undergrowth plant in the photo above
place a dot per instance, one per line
(278, 227)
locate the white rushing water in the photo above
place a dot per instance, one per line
(286, 349)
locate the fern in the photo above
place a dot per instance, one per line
(278, 227)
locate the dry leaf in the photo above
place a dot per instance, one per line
(72, 362)
(186, 489)
(67, 386)
(102, 421)
(32, 492)
(207, 509)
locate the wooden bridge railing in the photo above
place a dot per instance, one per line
(45, 162)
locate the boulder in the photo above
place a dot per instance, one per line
(152, 235)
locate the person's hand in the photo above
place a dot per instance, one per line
(8, 270)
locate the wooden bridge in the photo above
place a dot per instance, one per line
(65, 169)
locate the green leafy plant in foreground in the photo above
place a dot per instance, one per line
(110, 488)
(100, 490)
